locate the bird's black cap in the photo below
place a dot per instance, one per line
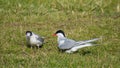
(60, 31)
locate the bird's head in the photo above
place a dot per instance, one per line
(59, 33)
(28, 33)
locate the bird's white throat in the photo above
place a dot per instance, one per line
(60, 35)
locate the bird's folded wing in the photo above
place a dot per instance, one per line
(39, 38)
(67, 44)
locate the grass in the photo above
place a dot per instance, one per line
(80, 19)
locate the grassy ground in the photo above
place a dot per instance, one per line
(80, 19)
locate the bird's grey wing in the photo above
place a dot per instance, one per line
(68, 43)
(88, 41)
(40, 38)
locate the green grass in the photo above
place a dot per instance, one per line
(80, 19)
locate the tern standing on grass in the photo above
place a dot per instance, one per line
(70, 45)
(33, 39)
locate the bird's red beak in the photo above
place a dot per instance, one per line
(54, 35)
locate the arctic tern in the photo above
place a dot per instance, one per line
(33, 39)
(70, 45)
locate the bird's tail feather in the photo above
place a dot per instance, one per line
(78, 47)
(88, 41)
(85, 45)
(74, 49)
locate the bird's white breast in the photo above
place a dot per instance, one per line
(61, 42)
(33, 40)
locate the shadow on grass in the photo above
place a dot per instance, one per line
(29, 46)
(85, 52)
(81, 53)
